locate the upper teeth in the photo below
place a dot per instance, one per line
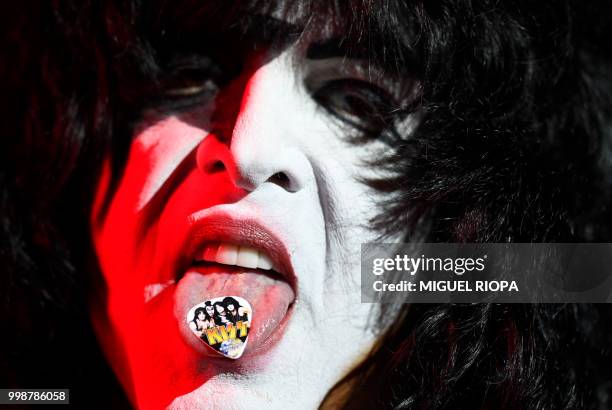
(230, 254)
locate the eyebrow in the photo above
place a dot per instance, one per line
(333, 47)
(273, 31)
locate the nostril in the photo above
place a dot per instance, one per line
(216, 166)
(281, 179)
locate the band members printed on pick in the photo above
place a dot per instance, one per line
(235, 312)
(199, 322)
(221, 317)
(210, 314)
(222, 324)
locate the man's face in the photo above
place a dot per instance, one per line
(253, 193)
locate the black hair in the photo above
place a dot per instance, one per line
(219, 304)
(231, 301)
(207, 315)
(512, 145)
(197, 312)
(217, 315)
(235, 316)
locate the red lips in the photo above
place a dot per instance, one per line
(270, 293)
(223, 228)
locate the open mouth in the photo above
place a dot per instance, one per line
(234, 255)
(237, 258)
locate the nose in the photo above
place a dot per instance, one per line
(262, 146)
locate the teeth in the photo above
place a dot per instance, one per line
(229, 254)
(264, 262)
(247, 257)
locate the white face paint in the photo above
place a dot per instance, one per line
(280, 163)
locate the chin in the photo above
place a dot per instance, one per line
(297, 373)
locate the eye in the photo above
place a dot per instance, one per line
(188, 81)
(360, 104)
(190, 88)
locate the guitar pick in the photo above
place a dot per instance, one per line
(223, 324)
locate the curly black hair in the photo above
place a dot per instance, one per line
(514, 102)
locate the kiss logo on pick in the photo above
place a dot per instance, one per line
(223, 324)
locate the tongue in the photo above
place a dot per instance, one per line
(269, 298)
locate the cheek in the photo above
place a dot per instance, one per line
(154, 155)
(120, 319)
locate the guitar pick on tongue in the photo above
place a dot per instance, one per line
(222, 323)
